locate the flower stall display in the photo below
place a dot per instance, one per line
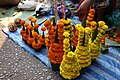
(30, 34)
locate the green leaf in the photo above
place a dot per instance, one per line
(56, 36)
(84, 20)
(94, 35)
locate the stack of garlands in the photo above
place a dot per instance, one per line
(49, 39)
(31, 35)
(82, 49)
(90, 17)
(95, 46)
(82, 52)
(54, 41)
(69, 67)
(69, 28)
(89, 22)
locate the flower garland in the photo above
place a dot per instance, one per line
(95, 48)
(90, 17)
(82, 51)
(69, 67)
(54, 41)
(49, 39)
(30, 33)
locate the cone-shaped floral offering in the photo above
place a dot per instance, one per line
(36, 44)
(69, 67)
(42, 37)
(30, 18)
(27, 33)
(22, 22)
(30, 38)
(95, 47)
(55, 51)
(82, 49)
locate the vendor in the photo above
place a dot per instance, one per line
(99, 5)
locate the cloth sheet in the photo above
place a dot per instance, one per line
(106, 67)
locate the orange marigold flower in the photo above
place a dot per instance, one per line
(22, 22)
(26, 24)
(30, 27)
(35, 34)
(47, 23)
(36, 26)
(61, 24)
(43, 29)
(93, 23)
(92, 11)
(30, 18)
(90, 19)
(55, 56)
(91, 15)
(33, 20)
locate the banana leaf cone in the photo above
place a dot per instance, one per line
(55, 67)
(83, 70)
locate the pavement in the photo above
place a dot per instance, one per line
(17, 64)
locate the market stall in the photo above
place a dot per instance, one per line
(71, 59)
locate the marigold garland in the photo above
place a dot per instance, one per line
(30, 33)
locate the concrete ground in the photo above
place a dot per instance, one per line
(17, 64)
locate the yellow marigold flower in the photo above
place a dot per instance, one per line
(66, 46)
(101, 23)
(99, 35)
(93, 23)
(105, 27)
(93, 45)
(69, 20)
(66, 49)
(67, 31)
(66, 34)
(70, 54)
(98, 39)
(88, 30)
(66, 40)
(77, 26)
(81, 29)
(102, 31)
(96, 42)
